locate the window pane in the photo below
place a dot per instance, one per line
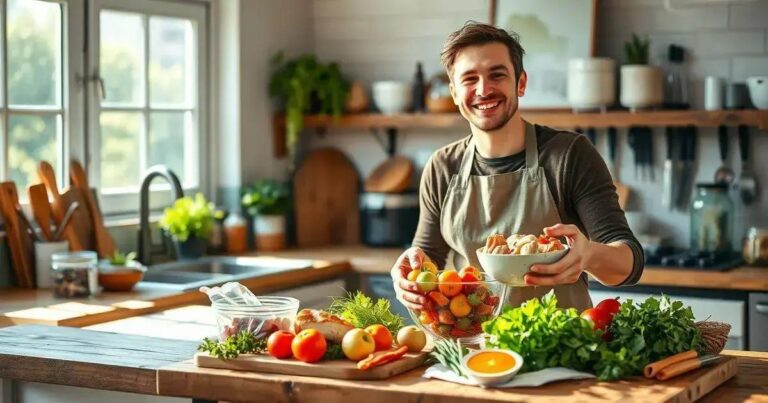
(170, 61)
(121, 57)
(34, 53)
(120, 134)
(171, 141)
(31, 138)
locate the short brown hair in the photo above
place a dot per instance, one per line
(475, 33)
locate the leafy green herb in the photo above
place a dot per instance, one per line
(546, 336)
(361, 312)
(188, 217)
(449, 353)
(266, 196)
(119, 258)
(243, 343)
(333, 352)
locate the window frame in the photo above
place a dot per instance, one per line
(128, 201)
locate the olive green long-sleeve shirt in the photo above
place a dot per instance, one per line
(578, 179)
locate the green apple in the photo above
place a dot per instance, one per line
(427, 281)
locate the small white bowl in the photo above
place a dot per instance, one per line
(483, 378)
(510, 269)
(758, 91)
(392, 97)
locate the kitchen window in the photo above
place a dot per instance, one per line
(148, 76)
(34, 113)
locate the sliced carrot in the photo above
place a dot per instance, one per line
(381, 358)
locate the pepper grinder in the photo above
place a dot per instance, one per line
(419, 104)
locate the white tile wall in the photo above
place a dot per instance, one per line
(376, 40)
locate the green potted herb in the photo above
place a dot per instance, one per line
(306, 85)
(641, 84)
(189, 223)
(268, 201)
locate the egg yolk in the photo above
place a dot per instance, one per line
(491, 362)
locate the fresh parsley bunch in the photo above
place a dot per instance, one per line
(360, 310)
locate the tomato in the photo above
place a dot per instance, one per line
(449, 283)
(309, 345)
(611, 305)
(381, 336)
(600, 319)
(279, 344)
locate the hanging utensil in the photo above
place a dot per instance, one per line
(723, 174)
(649, 159)
(747, 183)
(634, 145)
(65, 221)
(667, 180)
(689, 158)
(592, 135)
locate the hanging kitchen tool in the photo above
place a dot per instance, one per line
(59, 207)
(326, 194)
(668, 179)
(723, 174)
(688, 155)
(65, 221)
(391, 176)
(105, 245)
(41, 209)
(621, 189)
(649, 153)
(17, 235)
(747, 183)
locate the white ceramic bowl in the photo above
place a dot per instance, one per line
(494, 378)
(510, 269)
(758, 91)
(392, 97)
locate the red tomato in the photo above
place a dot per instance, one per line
(279, 344)
(600, 319)
(309, 345)
(611, 305)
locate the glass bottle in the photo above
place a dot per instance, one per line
(236, 233)
(676, 80)
(711, 218)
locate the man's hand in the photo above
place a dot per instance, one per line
(405, 290)
(568, 269)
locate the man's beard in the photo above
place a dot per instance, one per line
(496, 123)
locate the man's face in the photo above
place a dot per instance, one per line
(483, 85)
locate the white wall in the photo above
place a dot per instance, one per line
(376, 40)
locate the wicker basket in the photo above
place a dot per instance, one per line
(714, 335)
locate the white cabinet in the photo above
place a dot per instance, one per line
(720, 310)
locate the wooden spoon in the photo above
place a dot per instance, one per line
(105, 245)
(58, 205)
(41, 209)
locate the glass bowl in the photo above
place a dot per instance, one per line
(456, 310)
(274, 313)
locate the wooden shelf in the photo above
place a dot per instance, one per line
(557, 119)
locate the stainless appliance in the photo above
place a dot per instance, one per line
(758, 321)
(388, 219)
(671, 257)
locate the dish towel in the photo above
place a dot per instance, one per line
(536, 378)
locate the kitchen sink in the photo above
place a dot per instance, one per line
(186, 275)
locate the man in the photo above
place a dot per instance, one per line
(510, 176)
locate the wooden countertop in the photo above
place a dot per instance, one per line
(18, 306)
(152, 365)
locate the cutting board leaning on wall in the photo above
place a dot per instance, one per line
(325, 189)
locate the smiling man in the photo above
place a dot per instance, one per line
(511, 176)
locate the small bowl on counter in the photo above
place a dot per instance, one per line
(274, 313)
(491, 366)
(120, 278)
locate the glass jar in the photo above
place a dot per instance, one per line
(755, 250)
(711, 218)
(75, 274)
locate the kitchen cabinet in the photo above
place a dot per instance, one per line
(758, 321)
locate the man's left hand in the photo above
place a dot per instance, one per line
(568, 269)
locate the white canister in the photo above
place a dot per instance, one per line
(641, 86)
(43, 253)
(713, 93)
(591, 83)
(270, 232)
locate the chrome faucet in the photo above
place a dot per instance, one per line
(145, 234)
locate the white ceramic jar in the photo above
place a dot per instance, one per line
(641, 86)
(591, 83)
(392, 97)
(758, 91)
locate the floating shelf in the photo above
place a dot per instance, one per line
(557, 119)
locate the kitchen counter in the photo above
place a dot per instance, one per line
(18, 306)
(162, 366)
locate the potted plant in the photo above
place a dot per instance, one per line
(120, 272)
(268, 201)
(189, 223)
(641, 84)
(305, 85)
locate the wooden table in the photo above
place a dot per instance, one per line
(152, 365)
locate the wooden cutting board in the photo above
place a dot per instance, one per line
(337, 369)
(326, 194)
(104, 243)
(81, 225)
(391, 176)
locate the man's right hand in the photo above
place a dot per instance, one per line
(407, 291)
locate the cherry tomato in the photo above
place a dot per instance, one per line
(309, 345)
(611, 305)
(600, 319)
(381, 336)
(279, 344)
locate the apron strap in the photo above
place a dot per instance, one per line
(531, 154)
